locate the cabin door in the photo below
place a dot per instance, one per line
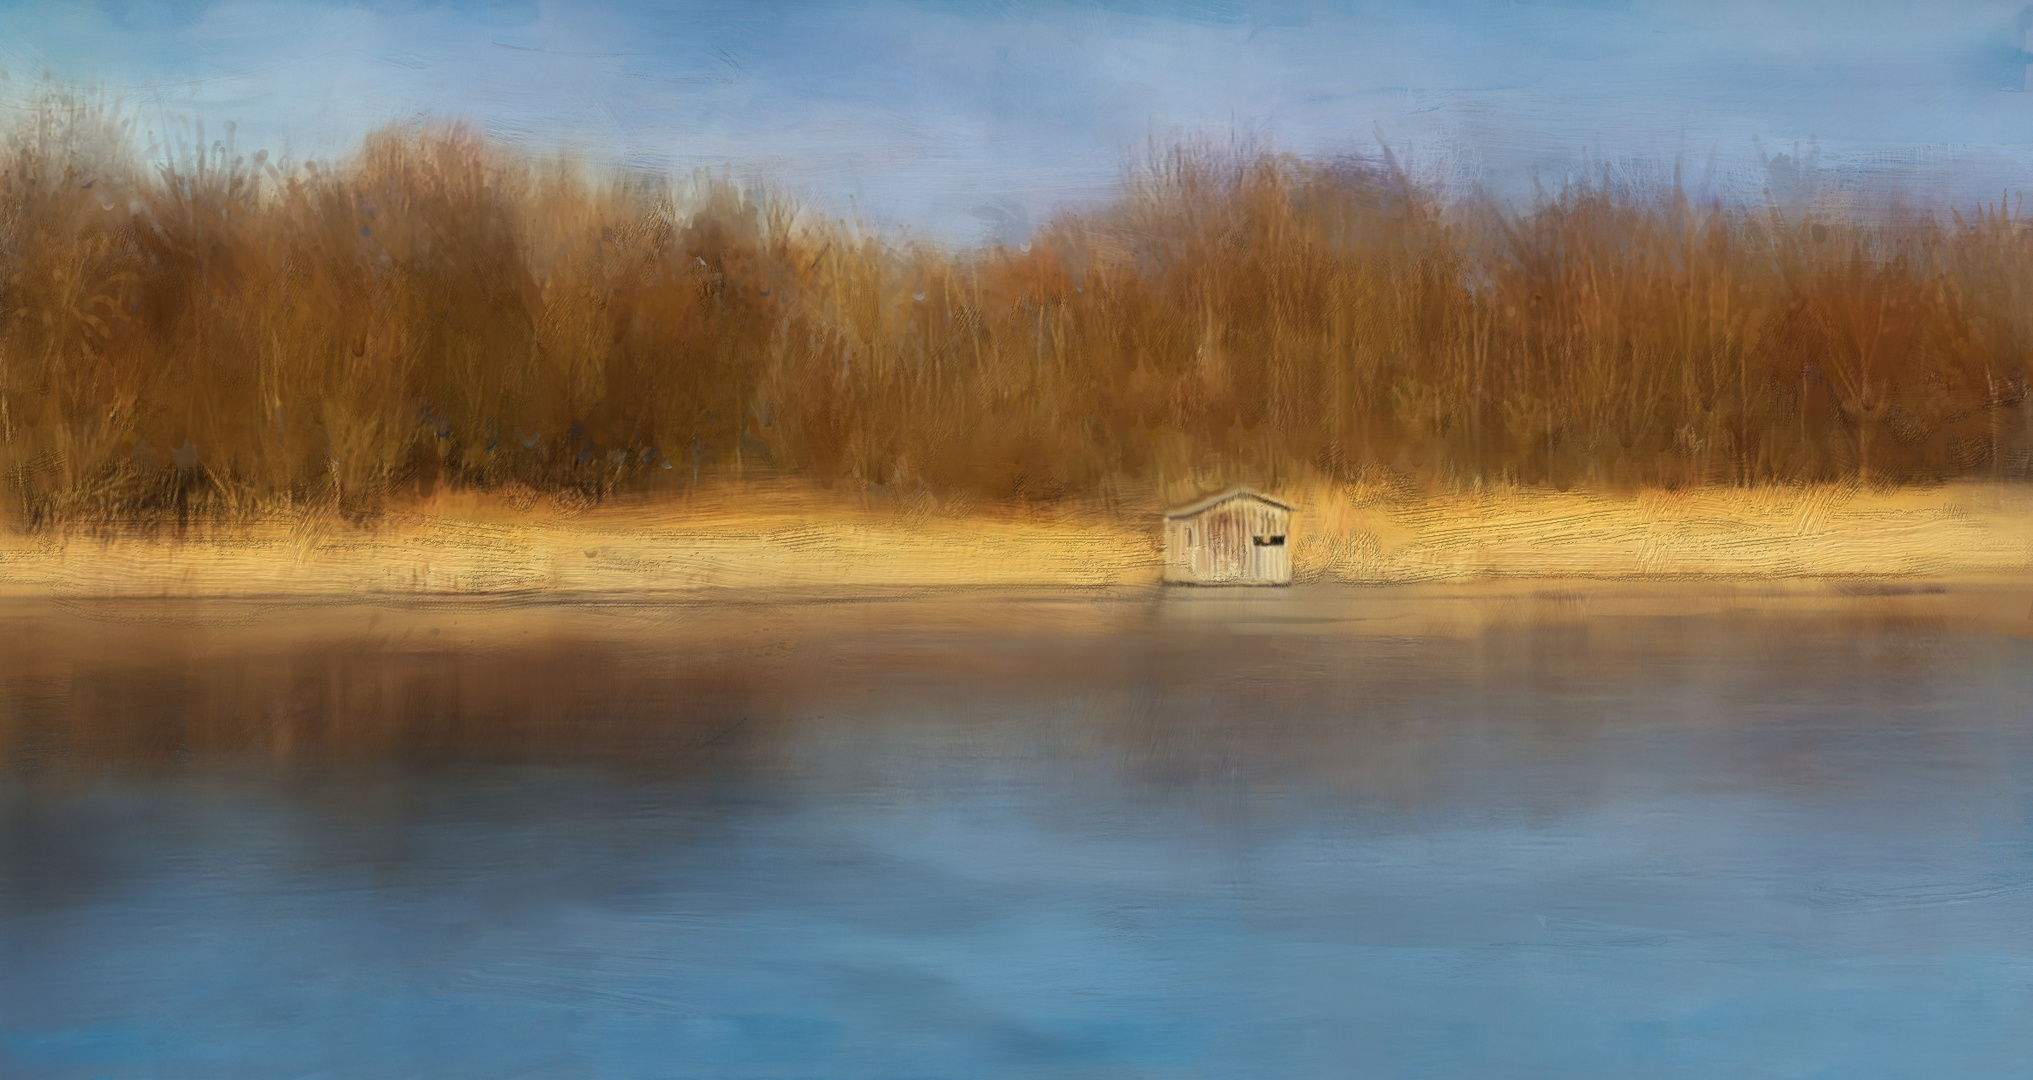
(1228, 547)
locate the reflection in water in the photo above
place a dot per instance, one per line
(1316, 833)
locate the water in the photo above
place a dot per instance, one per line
(1302, 834)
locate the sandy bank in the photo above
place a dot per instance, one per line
(793, 540)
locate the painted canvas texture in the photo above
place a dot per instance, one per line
(1088, 539)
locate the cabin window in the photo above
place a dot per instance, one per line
(1270, 541)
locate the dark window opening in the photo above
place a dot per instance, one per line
(1270, 541)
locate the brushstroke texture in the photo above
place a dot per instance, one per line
(938, 116)
(1602, 832)
(225, 336)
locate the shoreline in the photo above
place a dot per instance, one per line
(753, 642)
(789, 541)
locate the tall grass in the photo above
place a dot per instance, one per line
(222, 333)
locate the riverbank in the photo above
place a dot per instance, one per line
(784, 538)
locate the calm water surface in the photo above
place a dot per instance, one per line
(1302, 834)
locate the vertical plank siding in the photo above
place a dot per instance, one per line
(1239, 540)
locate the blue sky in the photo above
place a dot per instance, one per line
(969, 120)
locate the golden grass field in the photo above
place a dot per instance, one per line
(762, 537)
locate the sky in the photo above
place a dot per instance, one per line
(965, 122)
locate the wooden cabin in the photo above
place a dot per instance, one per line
(1234, 538)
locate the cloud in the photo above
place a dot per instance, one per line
(924, 113)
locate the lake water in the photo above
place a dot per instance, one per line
(1305, 833)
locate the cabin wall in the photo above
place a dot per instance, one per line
(1272, 563)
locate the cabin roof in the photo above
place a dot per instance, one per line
(1212, 501)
